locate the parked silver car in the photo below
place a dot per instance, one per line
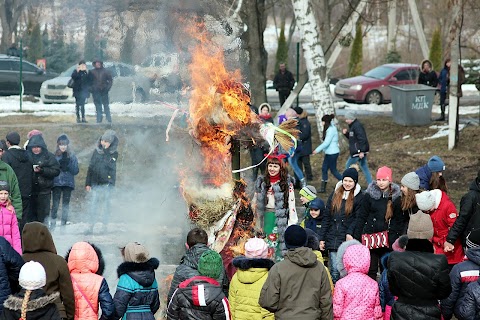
(128, 86)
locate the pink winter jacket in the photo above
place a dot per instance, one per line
(9, 227)
(356, 296)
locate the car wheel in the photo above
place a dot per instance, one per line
(374, 97)
(140, 95)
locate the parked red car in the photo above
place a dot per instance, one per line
(373, 86)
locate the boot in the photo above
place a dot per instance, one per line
(303, 183)
(323, 186)
(442, 116)
(77, 111)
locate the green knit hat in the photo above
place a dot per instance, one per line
(210, 264)
(309, 192)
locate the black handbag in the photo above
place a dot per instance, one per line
(70, 83)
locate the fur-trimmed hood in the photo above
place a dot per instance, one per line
(83, 258)
(143, 273)
(374, 191)
(245, 263)
(38, 300)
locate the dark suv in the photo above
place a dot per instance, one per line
(32, 76)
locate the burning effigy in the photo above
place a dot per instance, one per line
(220, 113)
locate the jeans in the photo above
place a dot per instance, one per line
(330, 163)
(363, 165)
(40, 207)
(332, 265)
(99, 99)
(56, 195)
(304, 162)
(100, 204)
(293, 161)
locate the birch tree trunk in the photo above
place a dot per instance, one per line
(392, 25)
(314, 59)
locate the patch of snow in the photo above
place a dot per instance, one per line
(406, 137)
(443, 132)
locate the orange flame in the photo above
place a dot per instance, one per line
(218, 105)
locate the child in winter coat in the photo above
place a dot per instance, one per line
(469, 306)
(9, 221)
(275, 202)
(431, 174)
(31, 303)
(246, 284)
(312, 219)
(137, 289)
(64, 183)
(339, 219)
(307, 195)
(443, 213)
(386, 297)
(356, 295)
(101, 176)
(201, 297)
(86, 265)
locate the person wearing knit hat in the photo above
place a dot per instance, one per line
(274, 199)
(101, 178)
(247, 282)
(307, 194)
(305, 286)
(431, 175)
(410, 186)
(339, 220)
(31, 302)
(64, 183)
(411, 181)
(381, 212)
(13, 138)
(137, 288)
(444, 214)
(462, 281)
(358, 145)
(314, 215)
(201, 297)
(418, 274)
(350, 115)
(331, 149)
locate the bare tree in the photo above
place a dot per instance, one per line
(10, 11)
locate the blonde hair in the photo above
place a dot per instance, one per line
(25, 303)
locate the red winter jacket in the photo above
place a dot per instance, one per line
(443, 218)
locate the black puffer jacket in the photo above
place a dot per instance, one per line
(461, 276)
(100, 79)
(284, 81)
(81, 83)
(199, 298)
(188, 269)
(22, 164)
(40, 306)
(102, 169)
(336, 225)
(137, 297)
(49, 166)
(357, 138)
(305, 138)
(10, 264)
(468, 205)
(419, 278)
(372, 215)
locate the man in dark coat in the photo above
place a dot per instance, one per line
(10, 264)
(305, 142)
(197, 240)
(102, 175)
(418, 277)
(358, 144)
(45, 168)
(38, 246)
(22, 165)
(283, 83)
(461, 276)
(297, 287)
(101, 82)
(468, 217)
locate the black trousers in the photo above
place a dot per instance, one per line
(304, 161)
(26, 212)
(57, 193)
(375, 256)
(40, 207)
(99, 99)
(283, 95)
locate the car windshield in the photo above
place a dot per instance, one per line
(379, 72)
